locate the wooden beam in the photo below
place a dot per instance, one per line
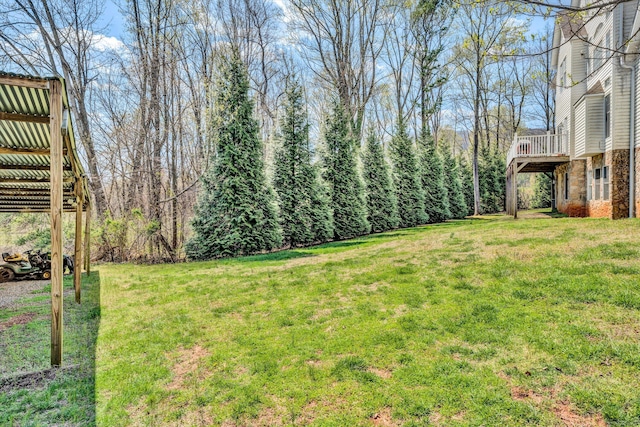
(44, 198)
(28, 151)
(30, 167)
(56, 223)
(24, 82)
(87, 241)
(522, 166)
(33, 181)
(77, 255)
(37, 209)
(15, 117)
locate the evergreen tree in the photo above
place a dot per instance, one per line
(453, 184)
(381, 199)
(236, 212)
(500, 180)
(305, 216)
(341, 175)
(492, 180)
(541, 191)
(320, 214)
(466, 177)
(486, 177)
(406, 179)
(436, 200)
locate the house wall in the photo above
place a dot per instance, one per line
(575, 205)
(616, 205)
(576, 87)
(585, 121)
(637, 179)
(598, 207)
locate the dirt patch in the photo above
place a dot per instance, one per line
(520, 393)
(561, 408)
(187, 364)
(382, 373)
(373, 287)
(384, 418)
(17, 320)
(33, 380)
(435, 418)
(570, 418)
(268, 417)
(320, 314)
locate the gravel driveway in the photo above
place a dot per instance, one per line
(11, 292)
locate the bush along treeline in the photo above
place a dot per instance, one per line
(342, 191)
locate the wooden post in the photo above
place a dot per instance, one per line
(77, 256)
(506, 196)
(55, 113)
(515, 190)
(553, 192)
(87, 241)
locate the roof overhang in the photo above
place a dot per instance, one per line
(25, 144)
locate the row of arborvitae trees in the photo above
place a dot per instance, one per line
(238, 213)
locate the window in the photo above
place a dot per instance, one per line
(562, 73)
(597, 182)
(605, 183)
(597, 56)
(566, 186)
(589, 184)
(607, 116)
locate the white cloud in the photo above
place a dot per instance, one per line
(104, 43)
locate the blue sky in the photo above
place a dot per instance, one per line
(114, 24)
(112, 20)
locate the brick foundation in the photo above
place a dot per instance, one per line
(620, 184)
(575, 205)
(637, 213)
(599, 209)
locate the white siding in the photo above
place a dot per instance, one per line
(620, 104)
(589, 119)
(567, 97)
(580, 128)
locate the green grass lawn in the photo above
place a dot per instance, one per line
(488, 322)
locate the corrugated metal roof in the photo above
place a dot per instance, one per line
(25, 140)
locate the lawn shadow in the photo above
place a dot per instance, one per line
(284, 255)
(340, 245)
(555, 214)
(69, 391)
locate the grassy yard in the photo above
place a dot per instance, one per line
(31, 394)
(488, 322)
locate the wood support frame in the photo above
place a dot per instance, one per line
(514, 186)
(55, 89)
(77, 255)
(87, 241)
(33, 83)
(26, 118)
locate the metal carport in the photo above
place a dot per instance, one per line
(40, 172)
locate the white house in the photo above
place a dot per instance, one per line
(595, 149)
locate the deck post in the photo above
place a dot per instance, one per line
(515, 190)
(509, 190)
(554, 208)
(87, 240)
(77, 256)
(55, 114)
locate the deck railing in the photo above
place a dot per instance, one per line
(548, 144)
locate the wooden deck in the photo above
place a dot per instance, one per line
(533, 154)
